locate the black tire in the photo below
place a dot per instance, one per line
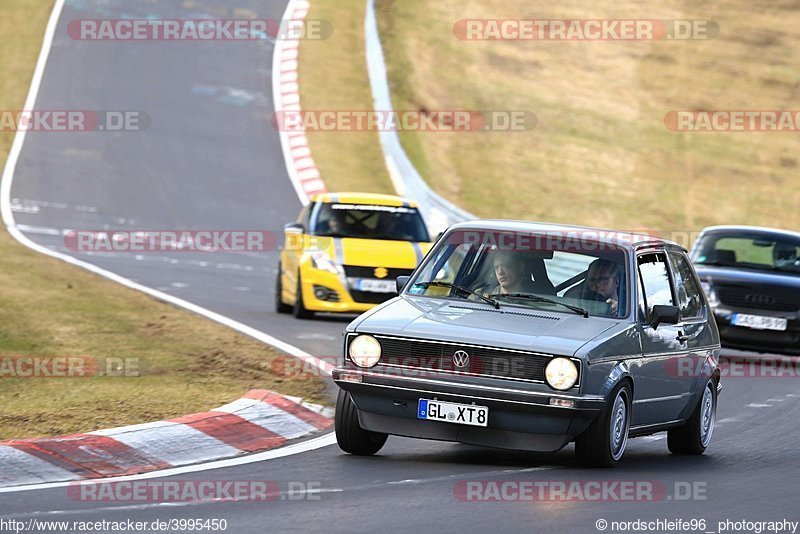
(695, 434)
(299, 309)
(280, 307)
(349, 435)
(596, 447)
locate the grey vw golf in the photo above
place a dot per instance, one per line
(528, 336)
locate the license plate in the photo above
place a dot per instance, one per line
(376, 286)
(449, 412)
(759, 322)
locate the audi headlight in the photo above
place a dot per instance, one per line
(561, 373)
(320, 260)
(364, 351)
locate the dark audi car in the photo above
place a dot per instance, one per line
(752, 278)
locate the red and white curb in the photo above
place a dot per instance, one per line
(259, 421)
(300, 165)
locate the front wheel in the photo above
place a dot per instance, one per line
(603, 443)
(695, 434)
(280, 307)
(300, 311)
(349, 435)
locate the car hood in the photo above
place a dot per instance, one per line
(727, 275)
(511, 327)
(375, 252)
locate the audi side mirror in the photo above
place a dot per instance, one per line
(401, 283)
(662, 314)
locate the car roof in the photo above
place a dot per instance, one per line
(750, 229)
(374, 199)
(600, 235)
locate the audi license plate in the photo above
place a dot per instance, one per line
(450, 412)
(759, 322)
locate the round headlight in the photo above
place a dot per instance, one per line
(561, 373)
(365, 351)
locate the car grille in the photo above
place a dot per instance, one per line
(370, 297)
(483, 361)
(357, 271)
(759, 298)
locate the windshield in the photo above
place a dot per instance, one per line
(509, 267)
(764, 252)
(369, 222)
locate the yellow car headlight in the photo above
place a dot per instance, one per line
(320, 260)
(364, 351)
(561, 373)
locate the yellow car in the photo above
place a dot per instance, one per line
(345, 251)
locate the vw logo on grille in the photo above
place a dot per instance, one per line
(754, 298)
(461, 358)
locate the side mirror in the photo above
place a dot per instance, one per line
(293, 228)
(293, 236)
(401, 282)
(664, 314)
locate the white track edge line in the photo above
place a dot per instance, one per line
(8, 220)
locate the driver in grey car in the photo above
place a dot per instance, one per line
(604, 278)
(515, 275)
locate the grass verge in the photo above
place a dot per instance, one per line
(185, 363)
(600, 153)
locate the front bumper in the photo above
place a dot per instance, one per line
(743, 338)
(521, 419)
(311, 277)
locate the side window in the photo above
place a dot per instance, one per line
(654, 276)
(689, 298)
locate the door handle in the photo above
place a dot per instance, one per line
(682, 337)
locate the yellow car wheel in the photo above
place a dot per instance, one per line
(280, 307)
(300, 310)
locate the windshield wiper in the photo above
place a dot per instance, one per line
(536, 298)
(462, 289)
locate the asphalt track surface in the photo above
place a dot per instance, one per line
(210, 160)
